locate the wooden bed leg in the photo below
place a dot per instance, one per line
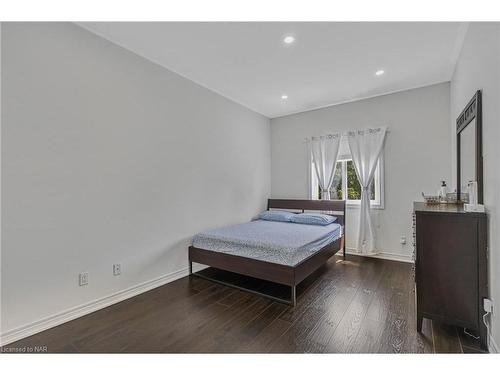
(294, 295)
(190, 268)
(343, 243)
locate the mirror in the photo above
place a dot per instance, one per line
(468, 155)
(469, 148)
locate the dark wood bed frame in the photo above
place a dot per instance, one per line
(278, 273)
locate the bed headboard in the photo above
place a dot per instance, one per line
(337, 207)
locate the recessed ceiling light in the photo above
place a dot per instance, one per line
(289, 39)
(379, 72)
(284, 97)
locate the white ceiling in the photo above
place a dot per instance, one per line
(329, 63)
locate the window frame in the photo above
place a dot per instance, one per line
(379, 201)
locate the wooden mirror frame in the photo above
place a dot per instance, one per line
(473, 110)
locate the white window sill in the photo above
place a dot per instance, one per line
(358, 205)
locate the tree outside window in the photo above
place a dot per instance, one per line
(346, 183)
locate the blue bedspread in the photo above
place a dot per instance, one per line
(270, 241)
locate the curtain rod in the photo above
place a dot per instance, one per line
(342, 134)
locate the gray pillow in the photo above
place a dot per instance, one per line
(277, 216)
(313, 219)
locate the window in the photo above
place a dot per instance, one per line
(346, 184)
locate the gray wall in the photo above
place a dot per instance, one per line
(108, 158)
(417, 155)
(478, 68)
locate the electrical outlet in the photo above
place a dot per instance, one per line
(488, 305)
(83, 279)
(117, 269)
(402, 240)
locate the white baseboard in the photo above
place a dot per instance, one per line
(87, 308)
(493, 347)
(382, 255)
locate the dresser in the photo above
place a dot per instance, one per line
(451, 266)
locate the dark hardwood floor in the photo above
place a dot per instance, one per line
(360, 305)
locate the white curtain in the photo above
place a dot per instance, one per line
(324, 151)
(366, 146)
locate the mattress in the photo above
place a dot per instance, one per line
(270, 241)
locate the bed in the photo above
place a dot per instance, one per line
(280, 252)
